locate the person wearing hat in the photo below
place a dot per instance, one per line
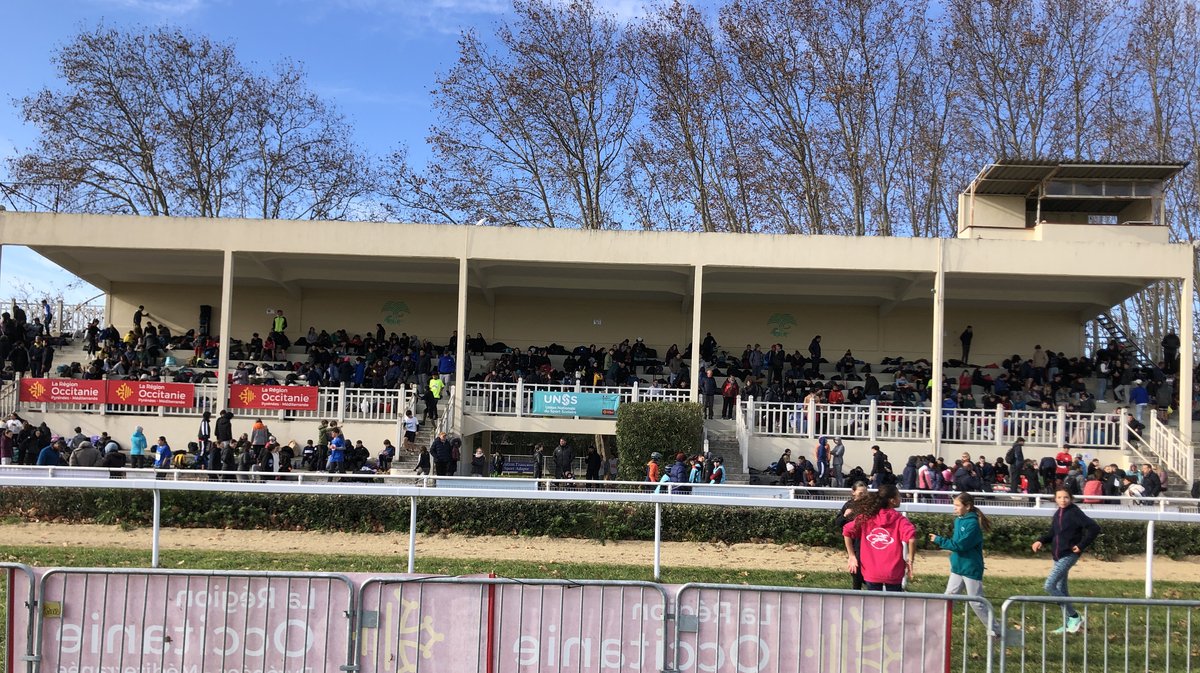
(113, 458)
(653, 471)
(85, 455)
(1139, 397)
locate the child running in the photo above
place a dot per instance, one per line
(1071, 532)
(881, 531)
(966, 557)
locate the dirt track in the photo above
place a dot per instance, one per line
(546, 550)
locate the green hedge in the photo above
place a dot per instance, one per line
(666, 427)
(599, 521)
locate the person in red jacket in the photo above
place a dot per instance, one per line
(881, 531)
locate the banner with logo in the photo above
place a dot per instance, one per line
(62, 391)
(572, 404)
(295, 398)
(151, 393)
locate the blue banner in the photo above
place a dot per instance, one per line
(572, 404)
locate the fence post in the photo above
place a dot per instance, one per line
(750, 417)
(61, 325)
(578, 384)
(657, 540)
(1060, 432)
(635, 390)
(412, 533)
(157, 528)
(1150, 558)
(999, 428)
(1124, 431)
(873, 421)
(521, 397)
(341, 405)
(812, 418)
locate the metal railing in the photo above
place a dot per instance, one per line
(17, 641)
(806, 629)
(874, 422)
(1115, 635)
(193, 620)
(516, 399)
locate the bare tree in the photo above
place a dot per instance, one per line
(161, 122)
(533, 130)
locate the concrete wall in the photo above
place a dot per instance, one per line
(999, 334)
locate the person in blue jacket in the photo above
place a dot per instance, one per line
(966, 556)
(1071, 532)
(137, 448)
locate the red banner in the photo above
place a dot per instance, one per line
(298, 398)
(62, 391)
(151, 393)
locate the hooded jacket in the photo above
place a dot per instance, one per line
(966, 547)
(137, 442)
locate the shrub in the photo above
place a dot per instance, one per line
(646, 427)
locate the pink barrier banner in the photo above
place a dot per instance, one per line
(175, 622)
(181, 623)
(151, 393)
(297, 398)
(62, 391)
(750, 631)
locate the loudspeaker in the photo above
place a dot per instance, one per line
(205, 319)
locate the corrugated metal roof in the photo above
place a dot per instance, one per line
(1020, 177)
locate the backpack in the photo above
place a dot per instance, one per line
(1010, 457)
(455, 452)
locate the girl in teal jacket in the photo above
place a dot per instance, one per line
(966, 557)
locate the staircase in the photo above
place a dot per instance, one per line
(724, 443)
(1117, 334)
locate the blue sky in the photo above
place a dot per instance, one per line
(375, 59)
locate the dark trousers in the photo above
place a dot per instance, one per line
(727, 407)
(708, 405)
(879, 586)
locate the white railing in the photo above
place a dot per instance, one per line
(8, 396)
(1166, 448)
(875, 421)
(501, 399)
(742, 434)
(340, 403)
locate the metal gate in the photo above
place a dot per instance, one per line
(495, 625)
(98, 620)
(1116, 635)
(19, 601)
(754, 629)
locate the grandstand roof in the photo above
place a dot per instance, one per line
(1022, 177)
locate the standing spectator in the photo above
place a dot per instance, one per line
(882, 559)
(137, 448)
(497, 463)
(259, 436)
(478, 463)
(1139, 397)
(965, 338)
(85, 455)
(1170, 345)
(410, 432)
(879, 466)
(966, 556)
(337, 452)
(433, 393)
(837, 460)
(564, 458)
(593, 463)
(48, 318)
(164, 453)
(442, 458)
(1071, 532)
(1015, 459)
(844, 516)
(729, 395)
(708, 388)
(814, 351)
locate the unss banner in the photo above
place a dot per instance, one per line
(584, 405)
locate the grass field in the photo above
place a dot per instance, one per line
(1149, 630)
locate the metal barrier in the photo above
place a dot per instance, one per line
(754, 628)
(1116, 635)
(16, 638)
(458, 625)
(159, 620)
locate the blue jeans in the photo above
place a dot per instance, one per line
(1056, 582)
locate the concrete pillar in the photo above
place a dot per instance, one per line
(1186, 353)
(461, 345)
(939, 328)
(697, 294)
(223, 331)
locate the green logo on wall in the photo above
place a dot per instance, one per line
(781, 324)
(394, 312)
